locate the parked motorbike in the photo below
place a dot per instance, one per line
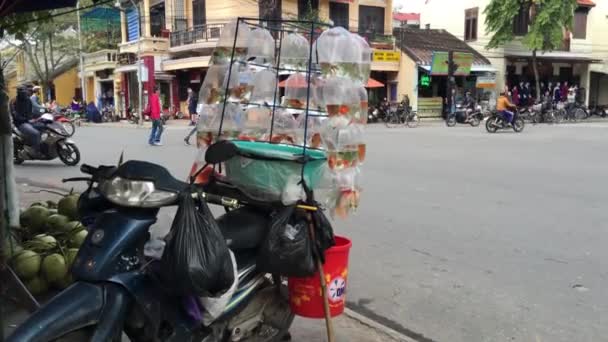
(372, 115)
(496, 122)
(118, 290)
(463, 115)
(600, 111)
(55, 143)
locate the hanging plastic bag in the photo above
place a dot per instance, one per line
(261, 47)
(196, 259)
(295, 50)
(223, 51)
(287, 250)
(214, 306)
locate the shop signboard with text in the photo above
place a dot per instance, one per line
(386, 56)
(439, 66)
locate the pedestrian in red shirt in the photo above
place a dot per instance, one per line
(157, 125)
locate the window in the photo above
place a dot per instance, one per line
(521, 21)
(198, 12)
(470, 23)
(371, 20)
(580, 23)
(338, 13)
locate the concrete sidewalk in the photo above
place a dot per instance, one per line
(349, 327)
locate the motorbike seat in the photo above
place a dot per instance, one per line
(244, 228)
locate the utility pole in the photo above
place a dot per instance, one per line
(452, 67)
(139, 66)
(83, 88)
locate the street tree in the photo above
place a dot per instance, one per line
(549, 19)
(47, 46)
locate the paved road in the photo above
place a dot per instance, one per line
(462, 235)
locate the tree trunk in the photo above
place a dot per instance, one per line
(536, 78)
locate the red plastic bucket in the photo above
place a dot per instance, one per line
(305, 295)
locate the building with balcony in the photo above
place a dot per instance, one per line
(102, 85)
(147, 35)
(581, 60)
(195, 26)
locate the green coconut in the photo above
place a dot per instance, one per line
(26, 264)
(39, 204)
(35, 218)
(10, 247)
(72, 227)
(51, 204)
(71, 256)
(43, 242)
(56, 222)
(68, 206)
(77, 239)
(64, 282)
(37, 285)
(54, 268)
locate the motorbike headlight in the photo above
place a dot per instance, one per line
(135, 193)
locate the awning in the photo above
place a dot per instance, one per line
(557, 57)
(186, 63)
(301, 83)
(372, 83)
(126, 68)
(474, 68)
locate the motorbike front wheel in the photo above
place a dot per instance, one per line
(68, 153)
(413, 121)
(451, 121)
(518, 125)
(491, 125)
(475, 121)
(393, 120)
(17, 148)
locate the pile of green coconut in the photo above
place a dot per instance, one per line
(41, 251)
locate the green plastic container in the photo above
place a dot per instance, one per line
(263, 170)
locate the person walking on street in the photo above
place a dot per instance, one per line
(157, 124)
(192, 104)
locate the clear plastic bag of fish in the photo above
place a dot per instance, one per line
(295, 50)
(223, 51)
(208, 128)
(339, 53)
(264, 87)
(213, 90)
(261, 47)
(297, 91)
(340, 98)
(284, 127)
(257, 124)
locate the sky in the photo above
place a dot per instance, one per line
(409, 5)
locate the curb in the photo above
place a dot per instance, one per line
(377, 326)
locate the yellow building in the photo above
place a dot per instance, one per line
(65, 80)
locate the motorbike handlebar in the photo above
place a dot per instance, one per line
(88, 169)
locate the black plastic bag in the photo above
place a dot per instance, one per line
(196, 259)
(287, 250)
(324, 234)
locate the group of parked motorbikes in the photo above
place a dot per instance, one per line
(393, 114)
(473, 114)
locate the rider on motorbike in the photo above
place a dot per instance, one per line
(503, 105)
(25, 119)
